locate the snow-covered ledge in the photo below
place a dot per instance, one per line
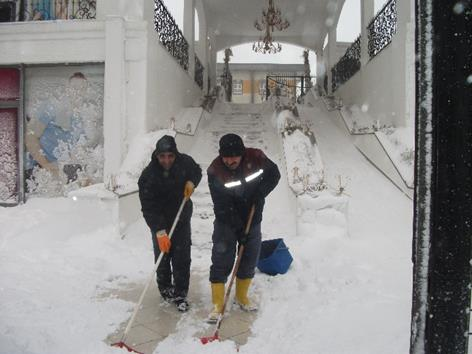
(121, 194)
(306, 177)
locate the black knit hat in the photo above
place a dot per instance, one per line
(166, 144)
(231, 145)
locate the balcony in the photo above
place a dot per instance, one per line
(46, 10)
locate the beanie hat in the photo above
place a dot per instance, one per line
(231, 145)
(166, 144)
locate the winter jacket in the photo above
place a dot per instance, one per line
(161, 192)
(244, 186)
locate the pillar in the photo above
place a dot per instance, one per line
(367, 14)
(189, 34)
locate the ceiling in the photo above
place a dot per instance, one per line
(232, 21)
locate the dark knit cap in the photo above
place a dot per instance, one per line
(166, 144)
(231, 145)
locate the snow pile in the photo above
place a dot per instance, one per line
(358, 120)
(139, 154)
(399, 143)
(59, 259)
(302, 158)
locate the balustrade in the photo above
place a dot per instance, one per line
(199, 69)
(382, 28)
(44, 10)
(348, 65)
(170, 34)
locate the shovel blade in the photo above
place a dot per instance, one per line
(209, 339)
(127, 347)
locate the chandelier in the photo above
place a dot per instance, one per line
(271, 21)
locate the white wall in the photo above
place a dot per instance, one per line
(51, 42)
(386, 83)
(169, 87)
(144, 85)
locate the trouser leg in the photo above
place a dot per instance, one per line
(251, 253)
(163, 272)
(223, 252)
(181, 258)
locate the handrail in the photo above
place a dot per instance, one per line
(348, 65)
(170, 34)
(382, 28)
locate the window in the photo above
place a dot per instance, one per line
(9, 108)
(237, 87)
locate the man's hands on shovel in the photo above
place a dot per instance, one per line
(164, 241)
(188, 189)
(162, 238)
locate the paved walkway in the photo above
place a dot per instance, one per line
(157, 319)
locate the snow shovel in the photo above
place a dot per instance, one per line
(122, 342)
(215, 335)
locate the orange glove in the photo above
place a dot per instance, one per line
(164, 241)
(188, 190)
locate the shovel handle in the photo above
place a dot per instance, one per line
(151, 277)
(235, 270)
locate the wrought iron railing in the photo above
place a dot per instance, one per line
(170, 34)
(43, 10)
(382, 28)
(199, 69)
(292, 85)
(348, 65)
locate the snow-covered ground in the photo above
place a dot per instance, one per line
(348, 289)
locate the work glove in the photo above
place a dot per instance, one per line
(163, 240)
(188, 189)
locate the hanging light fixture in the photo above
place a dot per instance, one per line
(271, 20)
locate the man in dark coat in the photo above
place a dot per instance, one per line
(169, 177)
(238, 178)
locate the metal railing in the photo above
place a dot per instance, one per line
(348, 65)
(199, 69)
(44, 10)
(382, 28)
(287, 85)
(170, 34)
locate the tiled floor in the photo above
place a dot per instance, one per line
(157, 319)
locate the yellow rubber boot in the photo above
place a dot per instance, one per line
(217, 297)
(242, 287)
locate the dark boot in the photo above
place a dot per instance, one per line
(182, 304)
(168, 294)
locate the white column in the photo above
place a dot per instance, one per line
(189, 34)
(332, 56)
(203, 42)
(212, 58)
(114, 97)
(251, 80)
(367, 14)
(320, 68)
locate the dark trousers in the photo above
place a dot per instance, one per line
(176, 263)
(223, 252)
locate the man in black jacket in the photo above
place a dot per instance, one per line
(169, 177)
(238, 178)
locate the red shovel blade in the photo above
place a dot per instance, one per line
(127, 347)
(206, 340)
